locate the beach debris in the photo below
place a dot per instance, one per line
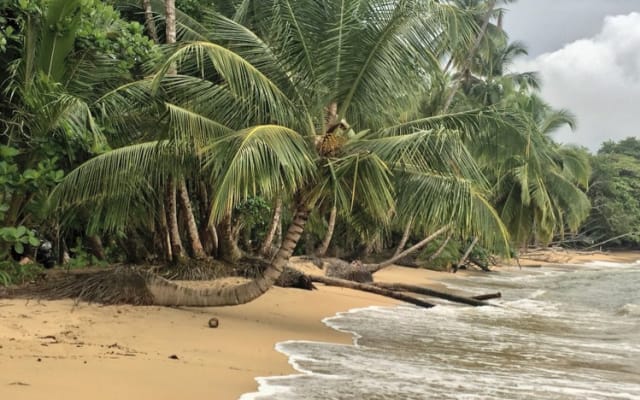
(213, 323)
(433, 293)
(371, 289)
(18, 383)
(341, 269)
(173, 357)
(488, 296)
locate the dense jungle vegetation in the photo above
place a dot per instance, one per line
(156, 132)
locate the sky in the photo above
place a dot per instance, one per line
(588, 55)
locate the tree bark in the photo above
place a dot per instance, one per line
(177, 250)
(95, 244)
(433, 293)
(170, 21)
(149, 21)
(472, 54)
(488, 296)
(376, 267)
(192, 226)
(324, 246)
(405, 238)
(170, 293)
(440, 249)
(464, 257)
(228, 249)
(371, 289)
(265, 249)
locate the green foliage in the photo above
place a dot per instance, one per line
(615, 195)
(13, 273)
(18, 238)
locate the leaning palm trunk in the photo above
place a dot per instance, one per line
(464, 257)
(405, 238)
(376, 267)
(192, 226)
(440, 249)
(265, 249)
(170, 293)
(322, 250)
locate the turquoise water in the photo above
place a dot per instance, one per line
(559, 333)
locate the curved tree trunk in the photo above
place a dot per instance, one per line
(192, 226)
(324, 246)
(170, 293)
(265, 249)
(405, 238)
(376, 267)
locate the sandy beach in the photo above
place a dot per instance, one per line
(63, 350)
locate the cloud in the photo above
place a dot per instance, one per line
(598, 79)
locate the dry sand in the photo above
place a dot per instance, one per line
(59, 350)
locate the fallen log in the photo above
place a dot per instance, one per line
(433, 293)
(488, 296)
(371, 289)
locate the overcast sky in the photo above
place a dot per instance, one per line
(588, 55)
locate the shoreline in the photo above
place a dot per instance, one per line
(59, 350)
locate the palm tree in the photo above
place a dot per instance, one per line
(269, 111)
(540, 186)
(48, 110)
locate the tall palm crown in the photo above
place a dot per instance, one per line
(305, 98)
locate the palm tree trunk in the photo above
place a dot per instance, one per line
(170, 20)
(405, 238)
(228, 249)
(170, 293)
(377, 267)
(95, 245)
(192, 226)
(464, 257)
(472, 54)
(324, 246)
(165, 236)
(440, 249)
(265, 249)
(149, 21)
(177, 250)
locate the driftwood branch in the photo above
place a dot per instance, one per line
(433, 293)
(488, 296)
(376, 267)
(371, 289)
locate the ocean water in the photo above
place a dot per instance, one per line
(557, 333)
